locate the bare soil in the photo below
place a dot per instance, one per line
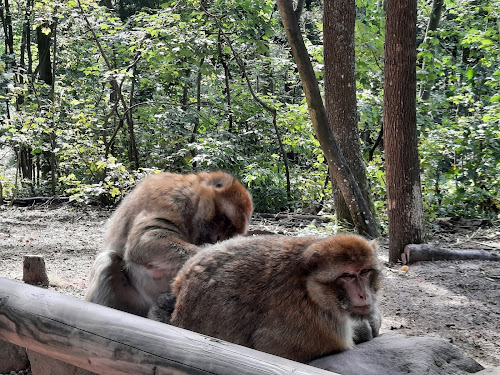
(456, 300)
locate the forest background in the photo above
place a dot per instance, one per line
(96, 95)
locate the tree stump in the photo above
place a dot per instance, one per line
(34, 272)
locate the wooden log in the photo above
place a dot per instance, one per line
(292, 216)
(421, 252)
(34, 272)
(112, 342)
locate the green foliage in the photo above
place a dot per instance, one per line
(459, 124)
(137, 68)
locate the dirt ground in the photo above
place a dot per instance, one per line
(456, 300)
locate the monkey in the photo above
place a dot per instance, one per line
(157, 227)
(295, 297)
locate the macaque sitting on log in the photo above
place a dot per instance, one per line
(298, 298)
(157, 227)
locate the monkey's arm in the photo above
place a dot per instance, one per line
(156, 243)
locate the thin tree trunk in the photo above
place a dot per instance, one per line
(358, 208)
(133, 154)
(226, 79)
(52, 134)
(404, 195)
(340, 95)
(9, 40)
(7, 28)
(29, 7)
(22, 60)
(43, 42)
(198, 110)
(437, 7)
(264, 105)
(198, 105)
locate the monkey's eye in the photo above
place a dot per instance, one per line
(365, 272)
(346, 275)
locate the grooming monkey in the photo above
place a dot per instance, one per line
(299, 298)
(157, 227)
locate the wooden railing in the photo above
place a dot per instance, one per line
(108, 341)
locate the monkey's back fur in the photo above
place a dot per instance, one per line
(157, 227)
(253, 292)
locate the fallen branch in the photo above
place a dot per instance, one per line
(292, 216)
(37, 200)
(423, 252)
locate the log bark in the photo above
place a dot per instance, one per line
(112, 342)
(34, 271)
(423, 252)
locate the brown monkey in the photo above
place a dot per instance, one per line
(298, 298)
(157, 227)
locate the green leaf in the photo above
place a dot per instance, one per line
(495, 99)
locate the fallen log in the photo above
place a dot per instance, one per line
(292, 216)
(422, 252)
(31, 201)
(112, 342)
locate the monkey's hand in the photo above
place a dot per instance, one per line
(366, 328)
(163, 308)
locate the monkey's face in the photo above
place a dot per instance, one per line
(343, 275)
(345, 290)
(356, 295)
(218, 229)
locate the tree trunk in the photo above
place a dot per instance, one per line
(7, 28)
(263, 104)
(43, 42)
(52, 134)
(340, 95)
(404, 195)
(132, 145)
(53, 162)
(358, 208)
(198, 106)
(9, 42)
(225, 65)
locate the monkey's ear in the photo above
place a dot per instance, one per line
(311, 258)
(374, 245)
(217, 180)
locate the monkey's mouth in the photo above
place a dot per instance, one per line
(360, 310)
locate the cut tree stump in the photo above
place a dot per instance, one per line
(34, 272)
(422, 252)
